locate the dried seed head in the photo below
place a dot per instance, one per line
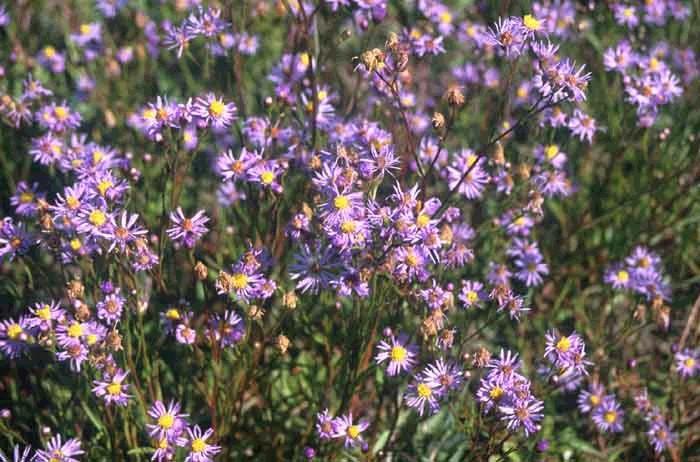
(75, 289)
(481, 357)
(289, 300)
(454, 96)
(255, 312)
(201, 271)
(498, 155)
(82, 311)
(524, 171)
(282, 343)
(438, 120)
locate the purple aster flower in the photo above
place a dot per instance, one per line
(213, 111)
(508, 36)
(565, 351)
(124, 231)
(56, 450)
(687, 362)
(52, 59)
(344, 427)
(14, 336)
(196, 443)
(47, 149)
(531, 268)
(401, 355)
(18, 455)
(110, 8)
(617, 276)
(625, 15)
(582, 125)
(619, 58)
(112, 388)
(94, 221)
(491, 392)
(411, 263)
(169, 422)
(589, 400)
(25, 199)
(443, 376)
(45, 315)
(505, 367)
(325, 425)
(187, 231)
(110, 308)
(177, 38)
(185, 334)
(58, 117)
(523, 413)
(471, 294)
(467, 173)
(227, 330)
(661, 437)
(313, 268)
(608, 417)
(266, 174)
(422, 392)
(34, 89)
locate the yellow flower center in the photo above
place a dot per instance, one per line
(654, 64)
(91, 339)
(411, 259)
(72, 202)
(172, 314)
(267, 177)
(85, 29)
(445, 17)
(305, 59)
(551, 151)
(166, 421)
(532, 23)
(114, 388)
(424, 391)
(353, 431)
(149, 114)
(627, 12)
(75, 244)
(198, 445)
(520, 221)
(689, 363)
(594, 399)
(564, 344)
(75, 330)
(26, 197)
(610, 417)
(422, 220)
(49, 51)
(348, 226)
(97, 218)
(341, 202)
(44, 312)
(216, 108)
(398, 353)
(163, 443)
(61, 112)
(472, 296)
(239, 281)
(103, 186)
(14, 331)
(496, 392)
(623, 276)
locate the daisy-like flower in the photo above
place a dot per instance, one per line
(170, 423)
(199, 449)
(350, 431)
(589, 400)
(325, 425)
(58, 117)
(56, 450)
(523, 413)
(113, 389)
(18, 455)
(421, 393)
(566, 351)
(213, 111)
(187, 231)
(14, 336)
(471, 294)
(110, 308)
(124, 231)
(25, 199)
(94, 220)
(266, 174)
(227, 330)
(400, 354)
(443, 376)
(687, 362)
(609, 415)
(618, 277)
(661, 437)
(467, 174)
(44, 315)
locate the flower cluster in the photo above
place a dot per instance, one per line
(641, 272)
(341, 427)
(504, 389)
(604, 409)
